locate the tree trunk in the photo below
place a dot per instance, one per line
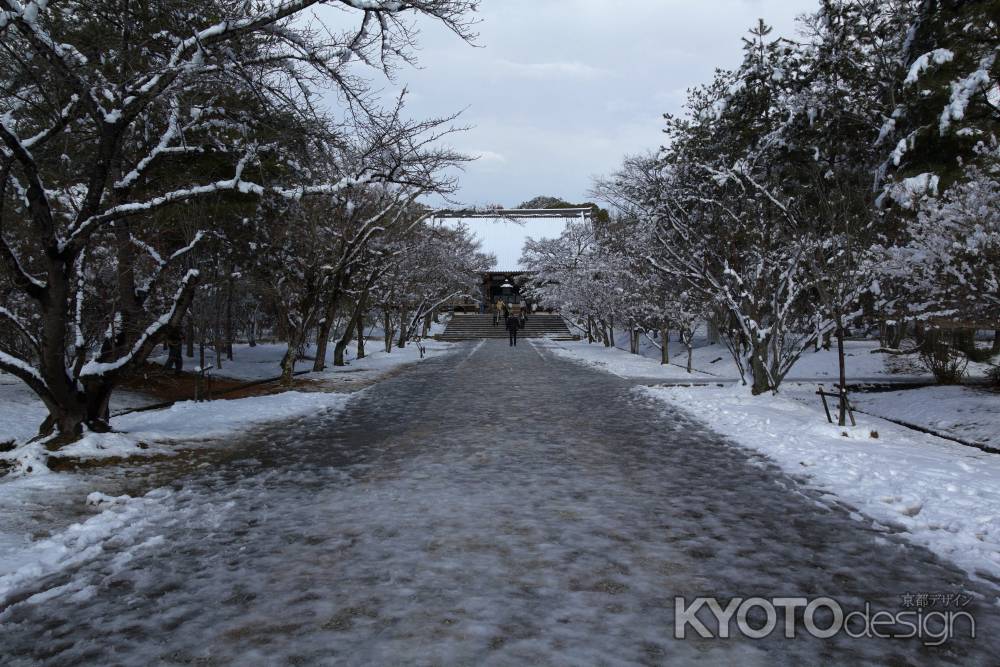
(611, 332)
(322, 342)
(66, 421)
(360, 322)
(252, 328)
(689, 344)
(361, 338)
(229, 316)
(217, 335)
(342, 343)
(590, 329)
(323, 338)
(842, 365)
(996, 342)
(664, 346)
(75, 401)
(404, 328)
(88, 408)
(326, 325)
(345, 340)
(758, 369)
(99, 407)
(387, 330)
(288, 363)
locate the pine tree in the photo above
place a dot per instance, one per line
(948, 100)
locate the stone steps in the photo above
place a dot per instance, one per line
(472, 327)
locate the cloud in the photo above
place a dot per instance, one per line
(560, 90)
(548, 70)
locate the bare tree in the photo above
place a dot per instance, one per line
(90, 143)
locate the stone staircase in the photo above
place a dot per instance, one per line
(474, 327)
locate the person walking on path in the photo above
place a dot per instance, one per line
(513, 324)
(498, 313)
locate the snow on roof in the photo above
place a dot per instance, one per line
(505, 238)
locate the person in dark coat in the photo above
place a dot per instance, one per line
(174, 359)
(513, 324)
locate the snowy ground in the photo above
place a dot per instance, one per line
(624, 364)
(377, 362)
(943, 495)
(153, 432)
(263, 361)
(714, 362)
(21, 412)
(497, 506)
(968, 413)
(862, 365)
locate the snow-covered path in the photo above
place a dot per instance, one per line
(492, 506)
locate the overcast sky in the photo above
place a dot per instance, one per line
(559, 90)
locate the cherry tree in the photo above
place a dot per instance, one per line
(952, 250)
(111, 117)
(573, 273)
(440, 264)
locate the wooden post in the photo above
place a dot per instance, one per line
(845, 406)
(826, 408)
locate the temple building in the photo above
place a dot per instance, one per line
(504, 234)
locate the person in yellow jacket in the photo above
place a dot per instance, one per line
(499, 316)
